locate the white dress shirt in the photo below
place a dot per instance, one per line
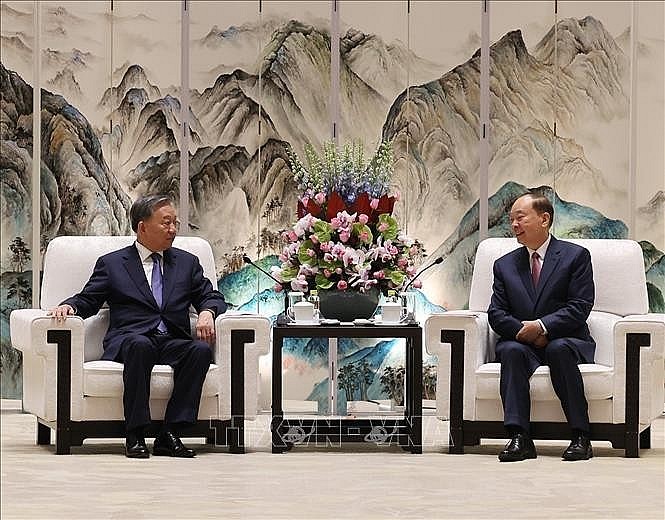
(146, 259)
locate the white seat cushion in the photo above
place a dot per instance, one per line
(104, 379)
(598, 382)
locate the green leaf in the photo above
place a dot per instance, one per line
(396, 277)
(289, 273)
(359, 228)
(330, 265)
(391, 232)
(322, 282)
(322, 231)
(303, 256)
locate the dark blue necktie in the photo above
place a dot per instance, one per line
(157, 285)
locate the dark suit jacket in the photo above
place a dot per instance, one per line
(119, 279)
(563, 299)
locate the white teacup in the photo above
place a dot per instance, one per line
(391, 312)
(302, 312)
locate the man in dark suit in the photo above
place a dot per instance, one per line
(542, 296)
(149, 287)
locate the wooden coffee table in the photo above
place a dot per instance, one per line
(406, 431)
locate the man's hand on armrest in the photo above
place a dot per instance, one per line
(205, 326)
(61, 312)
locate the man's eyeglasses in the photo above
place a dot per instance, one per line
(166, 224)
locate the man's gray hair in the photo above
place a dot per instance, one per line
(144, 207)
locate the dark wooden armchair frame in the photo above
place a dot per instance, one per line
(70, 433)
(626, 435)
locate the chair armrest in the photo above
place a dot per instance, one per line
(639, 340)
(477, 346)
(455, 370)
(28, 329)
(29, 333)
(251, 333)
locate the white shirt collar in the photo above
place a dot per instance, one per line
(542, 249)
(145, 253)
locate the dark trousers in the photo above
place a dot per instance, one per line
(519, 362)
(190, 360)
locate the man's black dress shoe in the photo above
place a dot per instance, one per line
(170, 445)
(135, 447)
(520, 447)
(579, 448)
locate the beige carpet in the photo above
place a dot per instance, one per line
(352, 481)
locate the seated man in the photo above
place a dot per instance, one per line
(149, 287)
(542, 296)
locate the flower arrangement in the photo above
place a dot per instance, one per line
(346, 237)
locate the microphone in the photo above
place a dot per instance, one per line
(436, 262)
(248, 260)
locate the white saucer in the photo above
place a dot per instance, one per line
(306, 323)
(378, 321)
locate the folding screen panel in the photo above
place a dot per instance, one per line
(592, 112)
(440, 117)
(649, 201)
(143, 103)
(294, 70)
(522, 143)
(374, 61)
(225, 45)
(80, 194)
(16, 153)
(294, 67)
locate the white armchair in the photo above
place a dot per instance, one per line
(624, 387)
(70, 389)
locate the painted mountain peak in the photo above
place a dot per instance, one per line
(443, 133)
(80, 196)
(134, 77)
(572, 220)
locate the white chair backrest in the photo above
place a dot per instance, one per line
(618, 273)
(70, 260)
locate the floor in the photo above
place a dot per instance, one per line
(353, 481)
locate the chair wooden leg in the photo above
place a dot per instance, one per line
(456, 446)
(63, 442)
(632, 450)
(43, 434)
(236, 435)
(456, 340)
(645, 439)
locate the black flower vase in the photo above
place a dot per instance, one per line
(348, 305)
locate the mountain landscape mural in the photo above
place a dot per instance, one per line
(106, 142)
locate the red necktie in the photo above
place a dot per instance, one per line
(535, 268)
